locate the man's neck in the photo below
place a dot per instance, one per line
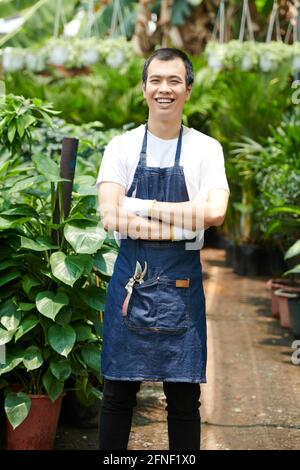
(164, 129)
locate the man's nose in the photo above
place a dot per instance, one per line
(164, 86)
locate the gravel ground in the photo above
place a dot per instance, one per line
(251, 400)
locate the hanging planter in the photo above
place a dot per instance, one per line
(296, 64)
(90, 57)
(70, 57)
(115, 59)
(267, 62)
(253, 56)
(34, 61)
(247, 63)
(59, 55)
(12, 59)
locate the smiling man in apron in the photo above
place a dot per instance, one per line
(161, 185)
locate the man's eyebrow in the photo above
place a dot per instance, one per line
(156, 75)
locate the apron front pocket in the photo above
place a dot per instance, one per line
(157, 305)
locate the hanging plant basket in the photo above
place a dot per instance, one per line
(253, 56)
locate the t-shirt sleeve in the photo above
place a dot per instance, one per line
(213, 175)
(113, 167)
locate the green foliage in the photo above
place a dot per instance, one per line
(53, 277)
(180, 11)
(264, 6)
(272, 168)
(38, 21)
(18, 116)
(108, 95)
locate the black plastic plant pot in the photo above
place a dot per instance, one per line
(250, 260)
(275, 261)
(229, 250)
(294, 314)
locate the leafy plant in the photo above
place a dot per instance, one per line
(53, 280)
(271, 169)
(18, 116)
(109, 95)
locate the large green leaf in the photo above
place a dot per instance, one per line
(33, 358)
(68, 269)
(38, 19)
(29, 282)
(9, 263)
(47, 167)
(9, 277)
(60, 368)
(105, 260)
(10, 317)
(91, 355)
(94, 297)
(85, 237)
(83, 332)
(295, 210)
(25, 183)
(5, 336)
(26, 307)
(26, 325)
(53, 387)
(12, 361)
(21, 209)
(295, 270)
(17, 407)
(62, 339)
(49, 304)
(39, 244)
(294, 250)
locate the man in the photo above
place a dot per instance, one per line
(161, 184)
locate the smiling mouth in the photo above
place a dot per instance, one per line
(164, 100)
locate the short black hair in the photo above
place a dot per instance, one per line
(169, 53)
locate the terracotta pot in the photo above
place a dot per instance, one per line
(283, 295)
(38, 430)
(279, 283)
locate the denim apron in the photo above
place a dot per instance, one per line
(162, 337)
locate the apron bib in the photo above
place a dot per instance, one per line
(162, 336)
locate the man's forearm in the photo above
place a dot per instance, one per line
(193, 215)
(133, 226)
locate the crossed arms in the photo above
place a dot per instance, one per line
(190, 216)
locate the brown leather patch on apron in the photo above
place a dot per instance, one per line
(183, 283)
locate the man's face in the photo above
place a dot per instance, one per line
(165, 90)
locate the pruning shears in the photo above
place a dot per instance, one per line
(138, 277)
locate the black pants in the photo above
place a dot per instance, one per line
(119, 399)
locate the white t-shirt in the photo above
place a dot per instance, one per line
(201, 157)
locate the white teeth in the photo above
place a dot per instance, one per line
(164, 101)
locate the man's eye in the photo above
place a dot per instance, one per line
(174, 82)
(154, 81)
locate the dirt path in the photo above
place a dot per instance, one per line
(252, 399)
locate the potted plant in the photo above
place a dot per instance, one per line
(52, 290)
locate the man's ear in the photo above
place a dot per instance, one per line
(144, 88)
(188, 92)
